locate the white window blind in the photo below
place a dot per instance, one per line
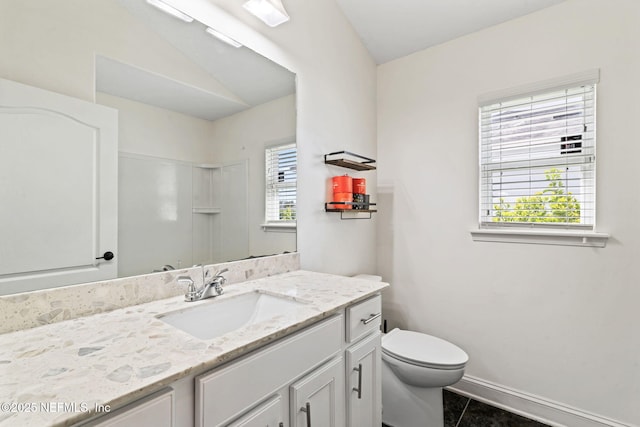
(537, 159)
(281, 179)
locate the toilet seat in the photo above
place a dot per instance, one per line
(423, 350)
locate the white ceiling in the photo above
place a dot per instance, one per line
(391, 29)
(388, 28)
(249, 78)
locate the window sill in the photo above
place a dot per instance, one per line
(542, 237)
(284, 227)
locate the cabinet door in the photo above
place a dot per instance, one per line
(58, 186)
(317, 400)
(364, 397)
(269, 414)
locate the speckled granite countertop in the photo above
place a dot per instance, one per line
(116, 357)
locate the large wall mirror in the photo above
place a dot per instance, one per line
(195, 117)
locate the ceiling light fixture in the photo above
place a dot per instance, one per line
(170, 10)
(223, 37)
(271, 12)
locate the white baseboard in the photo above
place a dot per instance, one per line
(548, 412)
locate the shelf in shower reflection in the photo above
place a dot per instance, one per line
(207, 210)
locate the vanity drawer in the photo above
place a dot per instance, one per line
(228, 391)
(362, 318)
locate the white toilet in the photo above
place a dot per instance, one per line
(415, 368)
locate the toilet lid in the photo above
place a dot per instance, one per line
(424, 350)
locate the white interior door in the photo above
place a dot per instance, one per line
(58, 187)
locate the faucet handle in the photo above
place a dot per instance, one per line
(217, 274)
(219, 280)
(185, 280)
(191, 294)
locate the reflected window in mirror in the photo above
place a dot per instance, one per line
(280, 188)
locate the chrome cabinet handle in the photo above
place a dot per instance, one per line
(307, 409)
(371, 318)
(359, 388)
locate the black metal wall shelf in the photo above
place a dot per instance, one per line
(356, 208)
(356, 162)
(353, 213)
(361, 163)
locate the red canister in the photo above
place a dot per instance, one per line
(359, 185)
(342, 184)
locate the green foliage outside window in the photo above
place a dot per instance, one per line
(551, 205)
(287, 214)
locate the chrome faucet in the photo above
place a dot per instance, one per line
(208, 290)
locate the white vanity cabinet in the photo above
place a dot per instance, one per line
(363, 363)
(258, 386)
(326, 375)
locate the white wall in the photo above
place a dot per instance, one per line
(335, 99)
(52, 45)
(244, 136)
(152, 131)
(556, 322)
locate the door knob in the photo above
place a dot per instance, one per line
(107, 256)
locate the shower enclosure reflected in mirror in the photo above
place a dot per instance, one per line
(194, 117)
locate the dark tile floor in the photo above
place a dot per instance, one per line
(460, 411)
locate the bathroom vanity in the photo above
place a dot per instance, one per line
(314, 362)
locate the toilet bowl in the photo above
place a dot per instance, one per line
(415, 367)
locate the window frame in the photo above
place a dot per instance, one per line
(271, 224)
(529, 232)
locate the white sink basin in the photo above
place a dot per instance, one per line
(218, 317)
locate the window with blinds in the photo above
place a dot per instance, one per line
(281, 178)
(537, 159)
